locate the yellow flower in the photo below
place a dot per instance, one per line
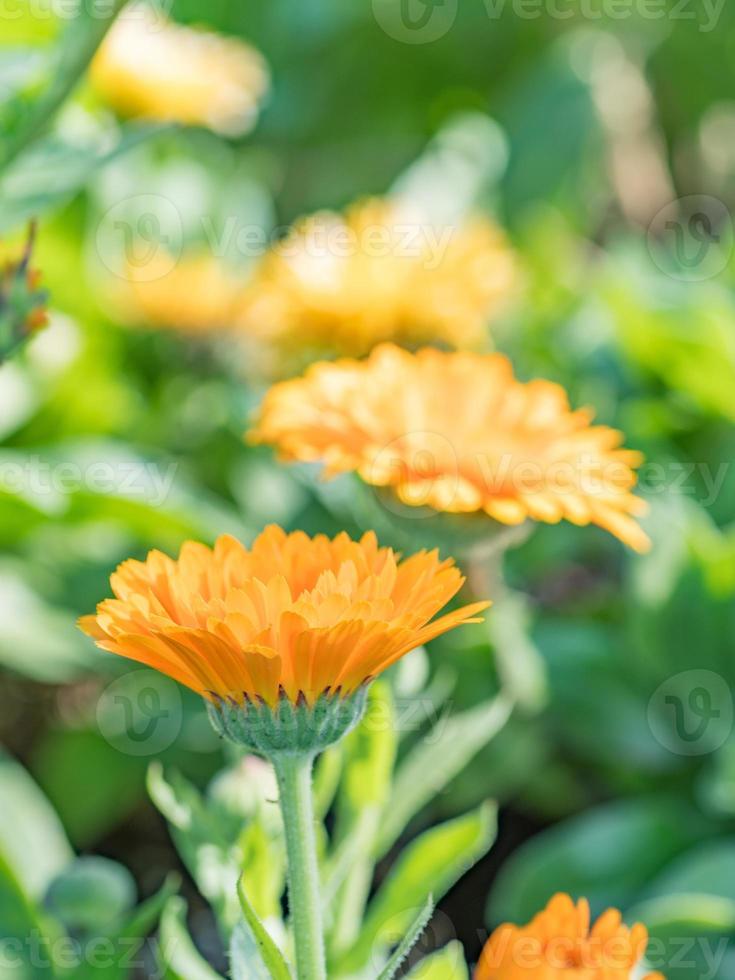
(293, 616)
(152, 68)
(196, 294)
(458, 433)
(558, 944)
(345, 283)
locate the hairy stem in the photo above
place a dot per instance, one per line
(304, 898)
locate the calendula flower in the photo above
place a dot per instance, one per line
(22, 302)
(152, 68)
(380, 272)
(558, 944)
(292, 616)
(194, 294)
(458, 433)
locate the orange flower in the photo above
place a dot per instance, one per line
(196, 294)
(292, 615)
(558, 944)
(152, 68)
(380, 272)
(458, 433)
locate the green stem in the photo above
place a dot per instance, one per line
(304, 896)
(78, 45)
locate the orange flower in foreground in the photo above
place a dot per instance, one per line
(293, 614)
(558, 944)
(458, 433)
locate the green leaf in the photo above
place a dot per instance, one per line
(327, 775)
(431, 863)
(177, 953)
(435, 761)
(447, 964)
(26, 820)
(263, 858)
(370, 752)
(252, 941)
(201, 840)
(408, 942)
(128, 935)
(369, 757)
(82, 35)
(708, 868)
(607, 854)
(91, 894)
(54, 170)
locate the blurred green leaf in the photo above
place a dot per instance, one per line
(447, 964)
(201, 839)
(178, 956)
(54, 170)
(91, 894)
(26, 818)
(435, 761)
(607, 854)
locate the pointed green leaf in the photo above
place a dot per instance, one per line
(408, 942)
(252, 936)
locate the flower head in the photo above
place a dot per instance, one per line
(152, 68)
(458, 433)
(558, 944)
(292, 616)
(195, 294)
(344, 283)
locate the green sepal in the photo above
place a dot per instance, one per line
(296, 728)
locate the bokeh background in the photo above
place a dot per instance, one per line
(601, 137)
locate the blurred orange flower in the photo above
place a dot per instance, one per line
(558, 944)
(380, 272)
(194, 294)
(458, 433)
(292, 615)
(152, 68)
